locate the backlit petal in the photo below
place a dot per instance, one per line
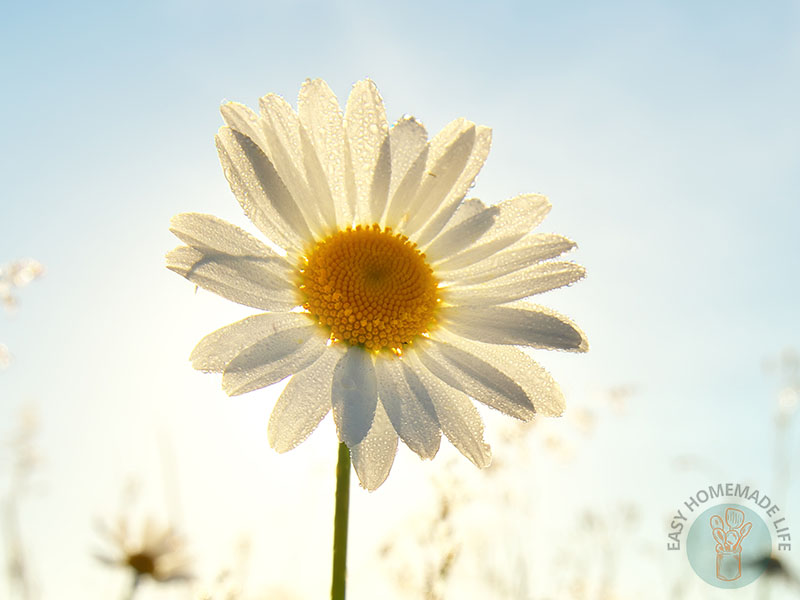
(527, 251)
(367, 130)
(408, 406)
(260, 191)
(518, 323)
(259, 281)
(354, 393)
(515, 218)
(275, 357)
(474, 376)
(322, 119)
(532, 280)
(217, 349)
(304, 402)
(457, 416)
(374, 455)
(429, 228)
(544, 393)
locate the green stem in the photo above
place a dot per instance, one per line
(340, 523)
(137, 578)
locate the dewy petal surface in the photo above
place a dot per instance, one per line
(527, 251)
(240, 118)
(471, 374)
(374, 455)
(532, 280)
(408, 138)
(367, 129)
(354, 393)
(217, 349)
(258, 281)
(408, 406)
(518, 323)
(211, 234)
(437, 182)
(322, 119)
(260, 190)
(284, 352)
(398, 206)
(480, 150)
(457, 416)
(462, 235)
(466, 210)
(304, 402)
(540, 388)
(284, 135)
(514, 218)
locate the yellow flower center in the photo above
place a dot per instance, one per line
(370, 286)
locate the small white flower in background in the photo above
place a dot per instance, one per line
(155, 552)
(17, 274)
(5, 356)
(396, 300)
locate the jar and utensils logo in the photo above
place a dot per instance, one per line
(730, 532)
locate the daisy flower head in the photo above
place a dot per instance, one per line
(157, 552)
(395, 301)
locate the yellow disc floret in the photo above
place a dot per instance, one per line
(372, 287)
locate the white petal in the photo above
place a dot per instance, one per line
(303, 403)
(528, 250)
(273, 358)
(367, 129)
(406, 198)
(318, 184)
(467, 209)
(516, 217)
(408, 139)
(281, 128)
(518, 323)
(207, 232)
(430, 227)
(259, 281)
(322, 118)
(379, 190)
(442, 173)
(461, 235)
(539, 386)
(239, 117)
(220, 347)
(474, 376)
(354, 394)
(535, 279)
(261, 192)
(373, 456)
(457, 416)
(408, 406)
(402, 198)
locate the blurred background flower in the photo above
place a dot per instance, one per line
(14, 275)
(156, 551)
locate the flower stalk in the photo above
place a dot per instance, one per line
(340, 520)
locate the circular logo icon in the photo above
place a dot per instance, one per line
(728, 546)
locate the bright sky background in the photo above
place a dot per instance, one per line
(666, 134)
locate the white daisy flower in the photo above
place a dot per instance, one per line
(396, 300)
(158, 552)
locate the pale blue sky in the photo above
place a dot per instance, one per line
(666, 134)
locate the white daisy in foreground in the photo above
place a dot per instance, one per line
(395, 301)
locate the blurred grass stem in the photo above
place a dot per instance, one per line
(340, 523)
(137, 578)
